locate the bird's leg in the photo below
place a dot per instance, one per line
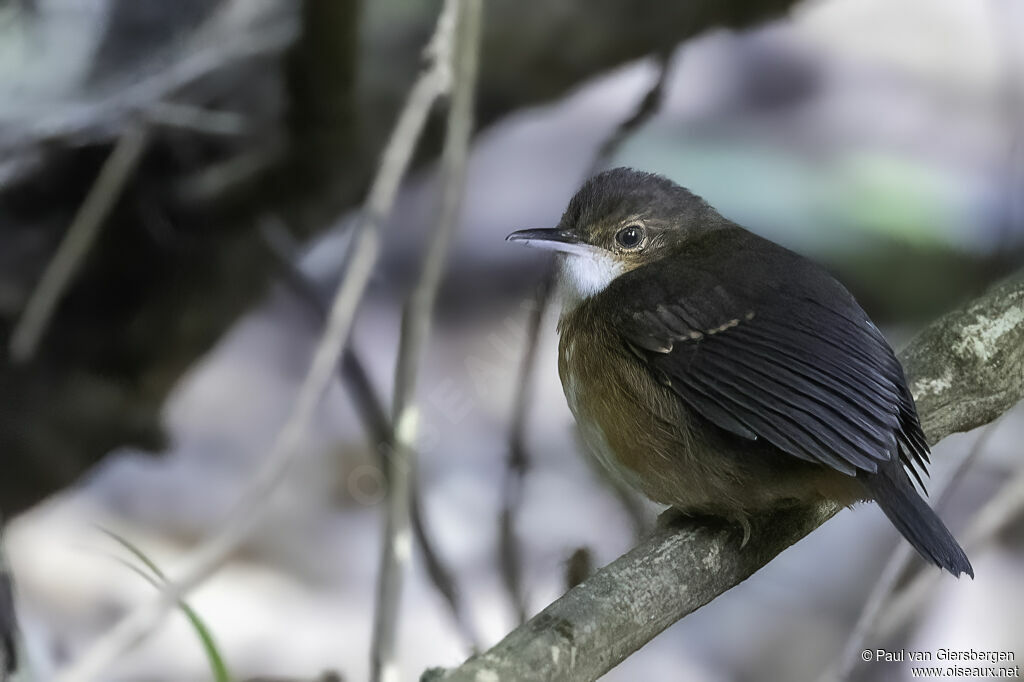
(672, 517)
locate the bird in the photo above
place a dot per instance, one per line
(724, 375)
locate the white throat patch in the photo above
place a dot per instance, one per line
(584, 272)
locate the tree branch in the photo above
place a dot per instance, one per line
(965, 369)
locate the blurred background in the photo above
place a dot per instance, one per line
(883, 138)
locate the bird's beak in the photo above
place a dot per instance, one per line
(553, 239)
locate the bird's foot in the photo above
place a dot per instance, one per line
(744, 524)
(673, 517)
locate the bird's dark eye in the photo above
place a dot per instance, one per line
(630, 236)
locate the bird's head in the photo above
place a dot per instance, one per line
(618, 221)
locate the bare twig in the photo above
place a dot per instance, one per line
(460, 51)
(77, 242)
(328, 676)
(225, 177)
(967, 367)
(1005, 40)
(893, 570)
(248, 514)
(197, 119)
(373, 415)
(644, 112)
(518, 460)
(376, 422)
(107, 114)
(1006, 508)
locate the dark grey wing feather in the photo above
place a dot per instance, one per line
(818, 383)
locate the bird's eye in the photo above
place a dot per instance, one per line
(630, 236)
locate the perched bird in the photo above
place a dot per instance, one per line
(724, 375)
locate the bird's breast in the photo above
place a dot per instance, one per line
(580, 387)
(633, 426)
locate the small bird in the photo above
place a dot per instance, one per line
(724, 375)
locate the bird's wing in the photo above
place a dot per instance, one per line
(791, 359)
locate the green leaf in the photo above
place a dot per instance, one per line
(217, 665)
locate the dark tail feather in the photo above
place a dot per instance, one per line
(8, 618)
(917, 522)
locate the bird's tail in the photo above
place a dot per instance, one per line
(916, 521)
(8, 618)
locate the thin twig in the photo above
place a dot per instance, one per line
(1003, 510)
(644, 112)
(893, 570)
(197, 119)
(374, 417)
(1012, 99)
(376, 422)
(77, 242)
(328, 676)
(248, 513)
(230, 175)
(517, 463)
(78, 121)
(441, 576)
(461, 53)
